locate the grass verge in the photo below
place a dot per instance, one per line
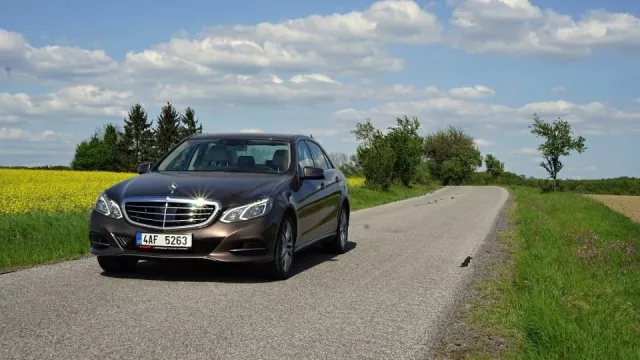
(362, 197)
(27, 240)
(571, 289)
(42, 238)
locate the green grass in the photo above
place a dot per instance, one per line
(44, 238)
(573, 290)
(362, 197)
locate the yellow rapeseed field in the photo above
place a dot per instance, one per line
(28, 191)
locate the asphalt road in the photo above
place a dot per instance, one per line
(383, 299)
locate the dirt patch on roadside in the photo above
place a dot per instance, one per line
(625, 204)
(459, 339)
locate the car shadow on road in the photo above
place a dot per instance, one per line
(208, 271)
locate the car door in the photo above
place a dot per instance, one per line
(307, 198)
(329, 196)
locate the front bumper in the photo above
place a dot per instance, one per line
(249, 241)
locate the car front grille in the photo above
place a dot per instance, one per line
(170, 213)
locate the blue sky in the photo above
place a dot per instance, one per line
(320, 67)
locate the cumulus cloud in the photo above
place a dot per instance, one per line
(19, 58)
(483, 142)
(475, 92)
(593, 118)
(270, 89)
(74, 101)
(33, 148)
(517, 27)
(347, 43)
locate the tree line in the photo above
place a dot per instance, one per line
(449, 156)
(399, 155)
(112, 148)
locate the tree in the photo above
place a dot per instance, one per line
(375, 155)
(407, 147)
(558, 142)
(136, 145)
(494, 166)
(168, 130)
(452, 156)
(190, 125)
(100, 152)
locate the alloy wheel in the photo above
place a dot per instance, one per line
(286, 251)
(344, 228)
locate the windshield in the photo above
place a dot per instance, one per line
(229, 155)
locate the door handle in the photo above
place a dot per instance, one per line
(322, 185)
(337, 179)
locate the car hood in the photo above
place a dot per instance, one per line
(231, 189)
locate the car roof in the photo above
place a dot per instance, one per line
(246, 135)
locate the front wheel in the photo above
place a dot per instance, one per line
(117, 264)
(280, 266)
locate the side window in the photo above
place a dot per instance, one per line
(318, 156)
(304, 157)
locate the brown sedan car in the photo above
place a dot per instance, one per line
(246, 198)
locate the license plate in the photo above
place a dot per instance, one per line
(163, 241)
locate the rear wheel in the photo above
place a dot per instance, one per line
(284, 251)
(338, 244)
(117, 264)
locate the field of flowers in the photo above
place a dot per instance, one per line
(51, 191)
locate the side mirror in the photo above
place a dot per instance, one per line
(312, 173)
(144, 167)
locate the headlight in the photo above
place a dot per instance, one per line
(247, 212)
(108, 207)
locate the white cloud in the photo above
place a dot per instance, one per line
(23, 60)
(588, 119)
(270, 89)
(476, 92)
(483, 142)
(558, 89)
(251, 131)
(74, 101)
(347, 43)
(516, 27)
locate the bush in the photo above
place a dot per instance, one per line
(377, 161)
(452, 156)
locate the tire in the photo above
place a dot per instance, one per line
(284, 251)
(338, 244)
(119, 264)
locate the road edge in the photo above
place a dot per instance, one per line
(455, 338)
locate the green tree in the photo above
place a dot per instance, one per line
(136, 144)
(494, 166)
(407, 147)
(87, 156)
(190, 125)
(375, 155)
(100, 152)
(168, 130)
(558, 142)
(452, 156)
